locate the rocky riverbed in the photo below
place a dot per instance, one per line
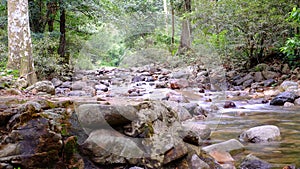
(147, 117)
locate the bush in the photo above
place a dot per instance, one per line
(291, 47)
(46, 60)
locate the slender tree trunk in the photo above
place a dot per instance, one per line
(62, 40)
(166, 14)
(173, 22)
(185, 38)
(19, 40)
(51, 12)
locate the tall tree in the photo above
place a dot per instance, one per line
(19, 40)
(62, 28)
(185, 38)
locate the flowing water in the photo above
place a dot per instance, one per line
(229, 123)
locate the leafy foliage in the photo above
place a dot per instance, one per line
(244, 32)
(291, 47)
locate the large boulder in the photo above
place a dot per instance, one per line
(195, 132)
(42, 86)
(259, 134)
(288, 86)
(252, 162)
(230, 146)
(283, 97)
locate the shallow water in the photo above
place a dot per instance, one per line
(229, 123)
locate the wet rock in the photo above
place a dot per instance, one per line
(221, 156)
(269, 82)
(160, 85)
(252, 162)
(78, 93)
(288, 84)
(283, 97)
(42, 86)
(101, 87)
(189, 106)
(178, 83)
(288, 104)
(183, 114)
(229, 104)
(231, 146)
(138, 78)
(194, 132)
(197, 163)
(258, 77)
(297, 102)
(271, 93)
(56, 82)
(269, 74)
(259, 134)
(176, 97)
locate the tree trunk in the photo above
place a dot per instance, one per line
(51, 12)
(166, 14)
(19, 40)
(62, 39)
(185, 38)
(173, 24)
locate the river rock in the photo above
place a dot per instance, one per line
(97, 116)
(288, 104)
(101, 87)
(288, 84)
(242, 80)
(269, 82)
(297, 102)
(283, 97)
(252, 162)
(259, 134)
(229, 104)
(194, 132)
(176, 97)
(231, 146)
(258, 77)
(56, 82)
(42, 86)
(35, 145)
(269, 74)
(106, 146)
(178, 83)
(197, 163)
(221, 156)
(189, 106)
(79, 85)
(285, 69)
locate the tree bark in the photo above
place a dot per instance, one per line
(185, 38)
(62, 39)
(51, 12)
(19, 40)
